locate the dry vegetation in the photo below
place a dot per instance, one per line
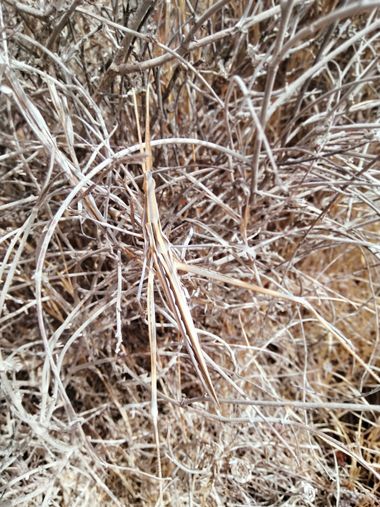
(265, 135)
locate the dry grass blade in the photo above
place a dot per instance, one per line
(153, 359)
(289, 297)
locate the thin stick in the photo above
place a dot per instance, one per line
(123, 52)
(286, 10)
(153, 363)
(119, 334)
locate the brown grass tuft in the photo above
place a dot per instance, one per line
(263, 123)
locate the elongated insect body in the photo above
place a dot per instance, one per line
(172, 286)
(159, 248)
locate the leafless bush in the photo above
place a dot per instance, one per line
(263, 122)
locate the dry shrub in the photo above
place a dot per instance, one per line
(265, 138)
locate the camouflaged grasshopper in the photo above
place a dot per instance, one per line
(160, 252)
